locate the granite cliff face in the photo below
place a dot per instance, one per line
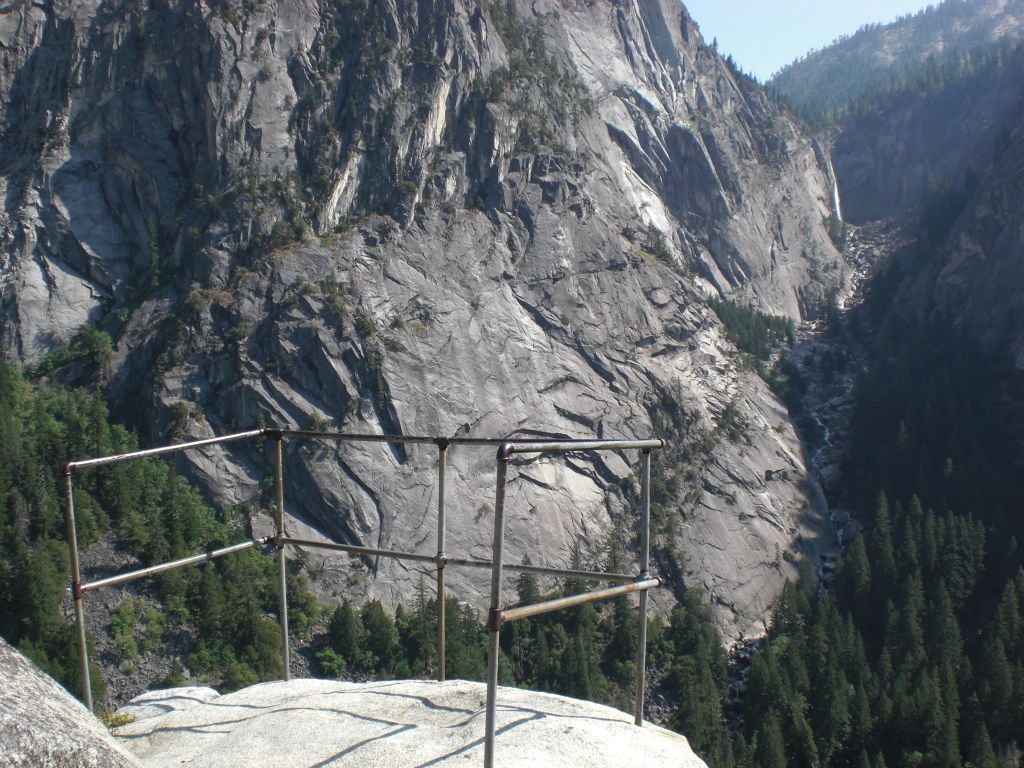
(447, 217)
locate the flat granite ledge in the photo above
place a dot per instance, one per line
(397, 724)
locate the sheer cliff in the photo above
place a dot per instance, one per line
(450, 217)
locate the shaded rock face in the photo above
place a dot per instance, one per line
(43, 726)
(887, 160)
(443, 218)
(975, 280)
(966, 137)
(400, 723)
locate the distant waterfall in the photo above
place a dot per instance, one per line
(835, 190)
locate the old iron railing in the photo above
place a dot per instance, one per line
(497, 614)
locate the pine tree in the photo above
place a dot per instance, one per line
(981, 753)
(212, 606)
(345, 634)
(852, 583)
(526, 585)
(380, 637)
(943, 630)
(769, 751)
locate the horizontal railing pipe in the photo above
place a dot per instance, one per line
(357, 437)
(73, 465)
(569, 446)
(522, 444)
(544, 570)
(526, 611)
(213, 554)
(360, 550)
(572, 444)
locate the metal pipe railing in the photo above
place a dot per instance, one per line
(282, 558)
(71, 466)
(360, 550)
(507, 449)
(76, 588)
(543, 570)
(497, 616)
(170, 565)
(645, 562)
(493, 625)
(571, 601)
(442, 470)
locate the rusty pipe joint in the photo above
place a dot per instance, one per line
(505, 451)
(495, 619)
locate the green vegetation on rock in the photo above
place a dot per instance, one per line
(753, 332)
(153, 512)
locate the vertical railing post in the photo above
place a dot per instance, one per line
(76, 588)
(442, 464)
(494, 615)
(282, 559)
(645, 564)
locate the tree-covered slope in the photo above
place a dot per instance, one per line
(825, 84)
(221, 614)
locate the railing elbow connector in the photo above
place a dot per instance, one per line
(69, 469)
(495, 619)
(273, 432)
(505, 451)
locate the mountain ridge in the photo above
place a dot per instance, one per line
(828, 80)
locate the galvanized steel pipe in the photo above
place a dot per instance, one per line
(76, 588)
(73, 465)
(442, 465)
(536, 609)
(282, 559)
(543, 570)
(493, 625)
(152, 570)
(358, 550)
(645, 563)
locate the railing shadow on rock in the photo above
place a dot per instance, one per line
(497, 615)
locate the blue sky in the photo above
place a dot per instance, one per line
(764, 35)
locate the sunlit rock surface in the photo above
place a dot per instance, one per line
(395, 725)
(435, 218)
(43, 726)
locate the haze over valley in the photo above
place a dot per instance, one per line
(545, 220)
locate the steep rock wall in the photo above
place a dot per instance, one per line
(444, 217)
